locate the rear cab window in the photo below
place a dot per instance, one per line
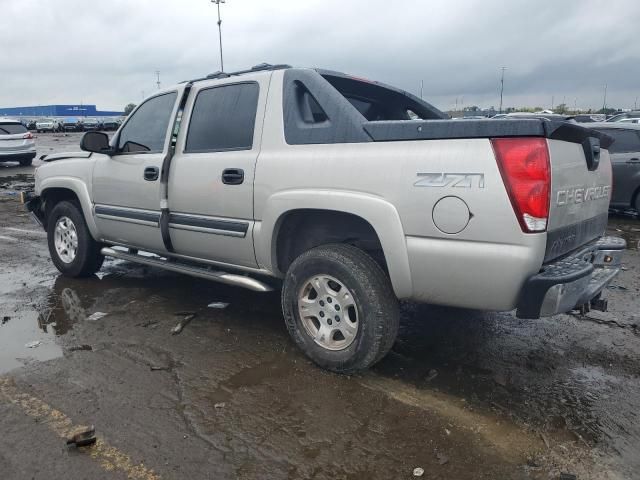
(379, 102)
(223, 118)
(12, 128)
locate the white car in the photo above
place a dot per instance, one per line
(48, 125)
(16, 143)
(629, 120)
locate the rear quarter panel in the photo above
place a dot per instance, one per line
(483, 266)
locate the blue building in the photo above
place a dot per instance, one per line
(57, 111)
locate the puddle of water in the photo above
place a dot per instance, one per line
(627, 227)
(20, 330)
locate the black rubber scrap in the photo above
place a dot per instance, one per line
(84, 438)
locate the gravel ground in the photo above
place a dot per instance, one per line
(463, 395)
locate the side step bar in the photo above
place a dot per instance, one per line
(202, 272)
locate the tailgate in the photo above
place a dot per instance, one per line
(580, 193)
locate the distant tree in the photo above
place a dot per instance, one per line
(561, 109)
(129, 108)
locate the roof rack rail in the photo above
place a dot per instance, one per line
(261, 67)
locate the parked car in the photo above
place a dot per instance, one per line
(110, 124)
(624, 115)
(89, 124)
(16, 142)
(589, 117)
(48, 125)
(629, 120)
(625, 160)
(31, 125)
(321, 180)
(71, 124)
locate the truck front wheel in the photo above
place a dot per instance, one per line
(73, 251)
(340, 308)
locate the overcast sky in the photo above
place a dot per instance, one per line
(106, 52)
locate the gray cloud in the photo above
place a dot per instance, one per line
(106, 52)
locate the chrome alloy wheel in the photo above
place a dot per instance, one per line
(328, 312)
(65, 239)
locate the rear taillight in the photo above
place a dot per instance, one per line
(524, 165)
(28, 135)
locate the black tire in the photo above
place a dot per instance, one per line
(376, 304)
(88, 258)
(26, 161)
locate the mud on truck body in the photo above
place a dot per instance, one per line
(350, 193)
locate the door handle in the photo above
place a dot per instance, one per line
(233, 176)
(151, 173)
(633, 160)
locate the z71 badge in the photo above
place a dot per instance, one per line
(457, 180)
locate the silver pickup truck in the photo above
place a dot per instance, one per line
(350, 194)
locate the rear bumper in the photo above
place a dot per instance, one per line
(572, 282)
(15, 155)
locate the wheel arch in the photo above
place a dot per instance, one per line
(369, 214)
(54, 190)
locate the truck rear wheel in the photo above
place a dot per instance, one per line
(340, 308)
(73, 251)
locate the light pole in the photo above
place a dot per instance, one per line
(501, 86)
(158, 79)
(218, 2)
(604, 103)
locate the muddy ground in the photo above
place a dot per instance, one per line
(463, 395)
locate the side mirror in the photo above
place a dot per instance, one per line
(97, 142)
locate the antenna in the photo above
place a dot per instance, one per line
(501, 86)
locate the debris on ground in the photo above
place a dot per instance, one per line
(83, 438)
(568, 476)
(5, 319)
(442, 458)
(433, 373)
(149, 323)
(220, 405)
(97, 316)
(79, 348)
(155, 368)
(218, 305)
(183, 323)
(34, 344)
(418, 472)
(544, 439)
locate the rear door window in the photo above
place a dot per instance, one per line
(12, 129)
(223, 119)
(625, 140)
(146, 130)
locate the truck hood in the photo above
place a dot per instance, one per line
(61, 156)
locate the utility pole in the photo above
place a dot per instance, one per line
(158, 79)
(553, 98)
(218, 2)
(421, 89)
(604, 103)
(635, 105)
(501, 86)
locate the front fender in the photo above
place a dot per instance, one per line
(380, 214)
(78, 187)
